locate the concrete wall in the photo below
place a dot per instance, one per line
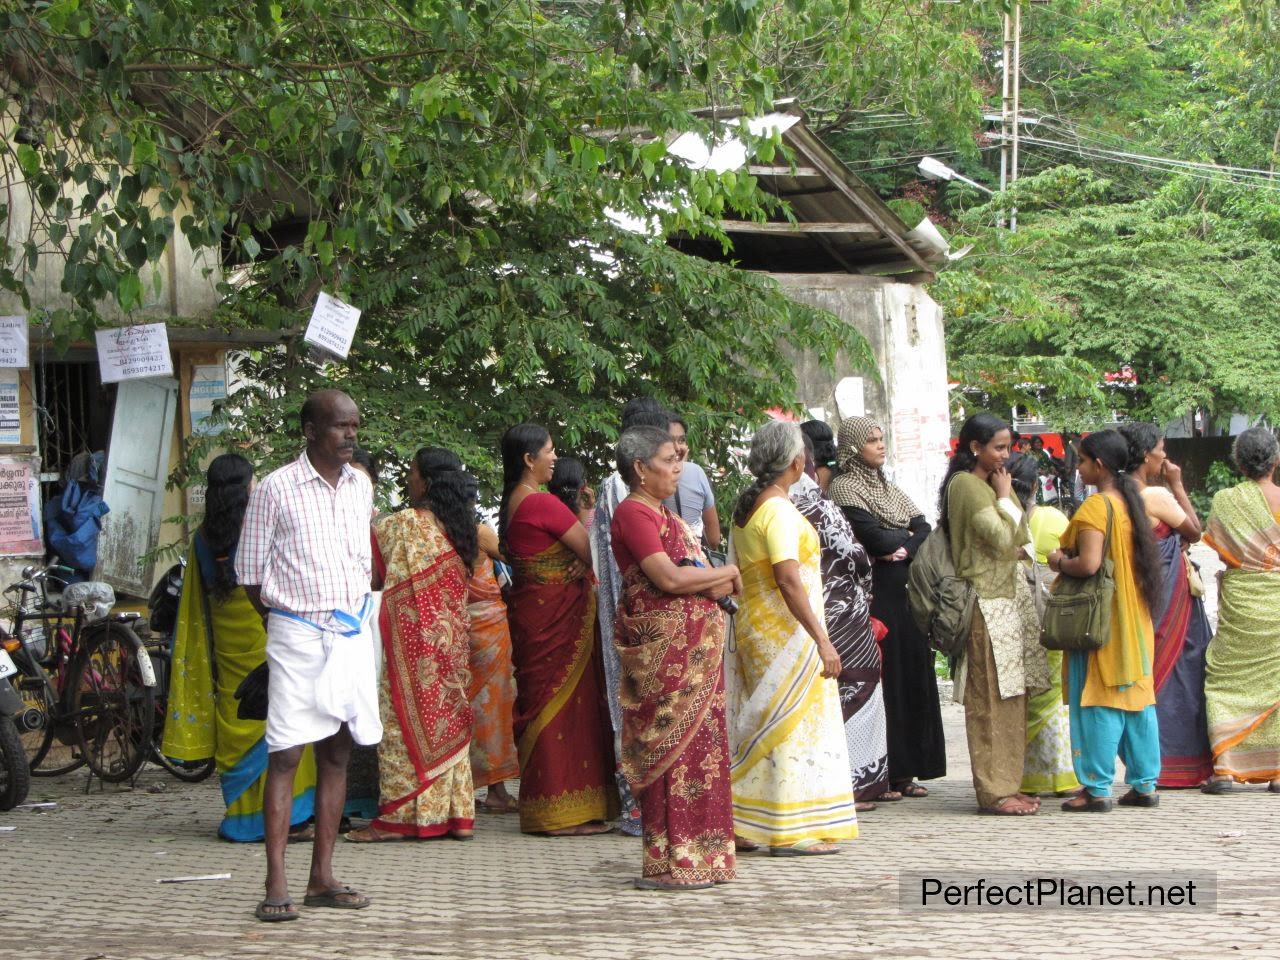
(903, 324)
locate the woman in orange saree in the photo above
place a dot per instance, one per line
(493, 685)
(561, 719)
(423, 557)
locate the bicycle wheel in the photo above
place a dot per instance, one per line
(46, 757)
(113, 710)
(15, 777)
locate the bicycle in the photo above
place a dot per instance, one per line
(85, 677)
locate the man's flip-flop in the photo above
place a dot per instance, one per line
(644, 883)
(330, 899)
(277, 915)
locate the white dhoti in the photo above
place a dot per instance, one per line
(323, 674)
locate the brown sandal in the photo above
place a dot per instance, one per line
(1010, 807)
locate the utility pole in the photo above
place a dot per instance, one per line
(1006, 110)
(1017, 120)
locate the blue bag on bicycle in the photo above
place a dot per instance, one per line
(72, 524)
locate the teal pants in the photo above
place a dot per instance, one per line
(1099, 734)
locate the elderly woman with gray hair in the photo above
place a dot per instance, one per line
(669, 631)
(1242, 676)
(789, 763)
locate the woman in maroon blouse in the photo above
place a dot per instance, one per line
(669, 634)
(561, 719)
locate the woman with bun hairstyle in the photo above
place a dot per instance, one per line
(1003, 661)
(1181, 625)
(1111, 691)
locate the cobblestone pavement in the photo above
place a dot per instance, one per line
(86, 873)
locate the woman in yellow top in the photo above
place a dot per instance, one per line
(789, 762)
(1111, 691)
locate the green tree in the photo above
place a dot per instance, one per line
(450, 167)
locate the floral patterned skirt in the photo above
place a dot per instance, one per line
(688, 811)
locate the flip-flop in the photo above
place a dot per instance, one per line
(796, 850)
(864, 806)
(645, 883)
(914, 791)
(1218, 787)
(330, 899)
(276, 916)
(373, 835)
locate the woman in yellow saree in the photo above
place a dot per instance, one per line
(789, 760)
(1242, 675)
(218, 641)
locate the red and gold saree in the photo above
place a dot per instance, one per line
(561, 720)
(424, 773)
(675, 750)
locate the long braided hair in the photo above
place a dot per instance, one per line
(773, 449)
(1110, 449)
(226, 496)
(523, 438)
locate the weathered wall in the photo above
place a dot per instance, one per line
(903, 324)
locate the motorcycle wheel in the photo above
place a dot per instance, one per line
(15, 774)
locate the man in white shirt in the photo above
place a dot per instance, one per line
(305, 561)
(694, 501)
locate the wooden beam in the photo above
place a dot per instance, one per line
(798, 229)
(816, 153)
(759, 170)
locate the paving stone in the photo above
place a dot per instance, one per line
(89, 870)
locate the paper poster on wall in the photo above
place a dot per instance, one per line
(10, 412)
(850, 398)
(208, 385)
(134, 353)
(15, 343)
(333, 326)
(20, 534)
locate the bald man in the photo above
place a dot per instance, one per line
(305, 561)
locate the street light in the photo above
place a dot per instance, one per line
(935, 169)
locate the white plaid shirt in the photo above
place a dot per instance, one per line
(307, 543)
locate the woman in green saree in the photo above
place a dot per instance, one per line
(218, 640)
(1242, 668)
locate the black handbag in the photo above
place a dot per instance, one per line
(1077, 615)
(252, 694)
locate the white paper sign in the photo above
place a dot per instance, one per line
(208, 384)
(849, 398)
(333, 326)
(14, 343)
(134, 353)
(10, 412)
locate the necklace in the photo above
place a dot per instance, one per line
(778, 488)
(652, 502)
(528, 487)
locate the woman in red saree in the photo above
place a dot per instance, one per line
(561, 720)
(423, 557)
(669, 634)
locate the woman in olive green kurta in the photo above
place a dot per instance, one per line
(1003, 661)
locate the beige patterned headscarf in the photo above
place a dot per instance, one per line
(864, 486)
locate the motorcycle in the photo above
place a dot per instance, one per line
(15, 774)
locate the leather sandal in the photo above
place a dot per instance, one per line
(1091, 805)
